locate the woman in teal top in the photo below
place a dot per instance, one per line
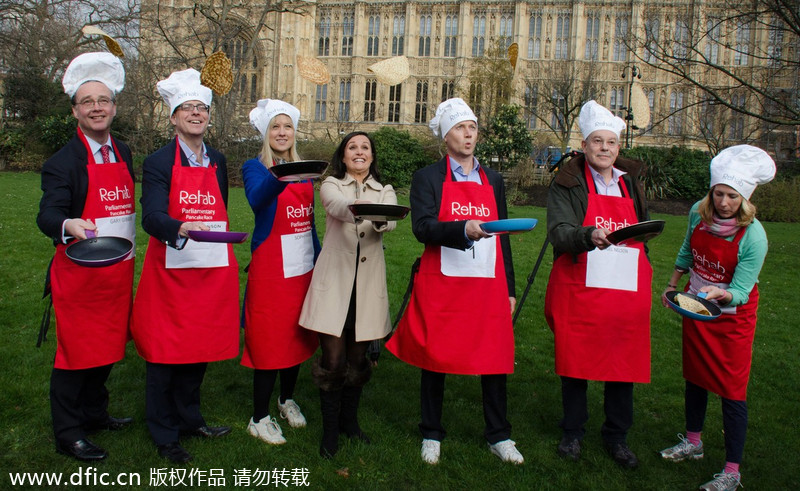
(723, 252)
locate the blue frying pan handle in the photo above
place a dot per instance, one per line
(90, 234)
(702, 294)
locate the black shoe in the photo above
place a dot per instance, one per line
(174, 452)
(622, 455)
(111, 424)
(570, 448)
(210, 431)
(81, 450)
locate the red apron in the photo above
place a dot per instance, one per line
(457, 323)
(277, 281)
(188, 314)
(717, 354)
(601, 333)
(93, 305)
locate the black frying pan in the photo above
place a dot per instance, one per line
(95, 252)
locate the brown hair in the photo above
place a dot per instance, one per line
(744, 215)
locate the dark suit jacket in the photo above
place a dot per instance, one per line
(156, 182)
(65, 183)
(426, 199)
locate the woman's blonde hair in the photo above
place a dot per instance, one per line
(744, 216)
(266, 156)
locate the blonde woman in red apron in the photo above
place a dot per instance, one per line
(186, 309)
(88, 186)
(723, 252)
(459, 316)
(284, 246)
(598, 297)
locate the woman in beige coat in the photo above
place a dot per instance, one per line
(347, 302)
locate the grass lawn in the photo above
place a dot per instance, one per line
(390, 408)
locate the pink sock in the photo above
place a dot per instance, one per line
(694, 437)
(731, 467)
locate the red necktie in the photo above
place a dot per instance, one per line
(104, 153)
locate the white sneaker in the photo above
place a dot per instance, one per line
(507, 451)
(431, 449)
(267, 430)
(290, 411)
(683, 450)
(724, 481)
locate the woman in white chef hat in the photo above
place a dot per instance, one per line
(723, 251)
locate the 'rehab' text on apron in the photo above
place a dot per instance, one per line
(459, 317)
(598, 303)
(277, 281)
(93, 305)
(717, 354)
(182, 313)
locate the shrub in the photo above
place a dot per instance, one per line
(673, 173)
(777, 201)
(400, 154)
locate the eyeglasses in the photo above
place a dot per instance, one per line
(187, 107)
(102, 103)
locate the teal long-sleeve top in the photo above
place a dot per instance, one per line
(752, 251)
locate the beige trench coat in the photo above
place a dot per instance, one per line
(328, 297)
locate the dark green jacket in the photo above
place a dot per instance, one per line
(568, 199)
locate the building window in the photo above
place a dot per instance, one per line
(617, 102)
(450, 35)
(394, 104)
(253, 87)
(373, 35)
(344, 100)
(535, 36)
(680, 46)
(712, 44)
(562, 37)
(478, 35)
(620, 38)
(742, 48)
(775, 43)
(736, 126)
(531, 102)
(421, 107)
(557, 120)
(324, 35)
(675, 119)
(236, 51)
(651, 32)
(592, 35)
(448, 90)
(370, 100)
(424, 35)
(398, 34)
(321, 104)
(651, 101)
(348, 26)
(707, 117)
(506, 30)
(475, 98)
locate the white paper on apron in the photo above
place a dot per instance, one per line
(118, 226)
(199, 254)
(477, 262)
(298, 254)
(615, 268)
(696, 282)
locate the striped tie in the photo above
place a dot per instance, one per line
(104, 153)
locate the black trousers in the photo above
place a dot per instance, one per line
(77, 398)
(172, 400)
(734, 419)
(495, 407)
(617, 403)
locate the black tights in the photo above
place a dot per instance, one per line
(339, 351)
(264, 383)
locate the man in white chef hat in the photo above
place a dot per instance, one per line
(186, 310)
(598, 296)
(92, 305)
(459, 316)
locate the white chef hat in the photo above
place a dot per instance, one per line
(266, 109)
(742, 167)
(450, 113)
(98, 67)
(183, 86)
(595, 117)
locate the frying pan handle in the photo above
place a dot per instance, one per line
(702, 294)
(90, 234)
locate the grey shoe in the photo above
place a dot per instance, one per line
(683, 450)
(570, 448)
(724, 481)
